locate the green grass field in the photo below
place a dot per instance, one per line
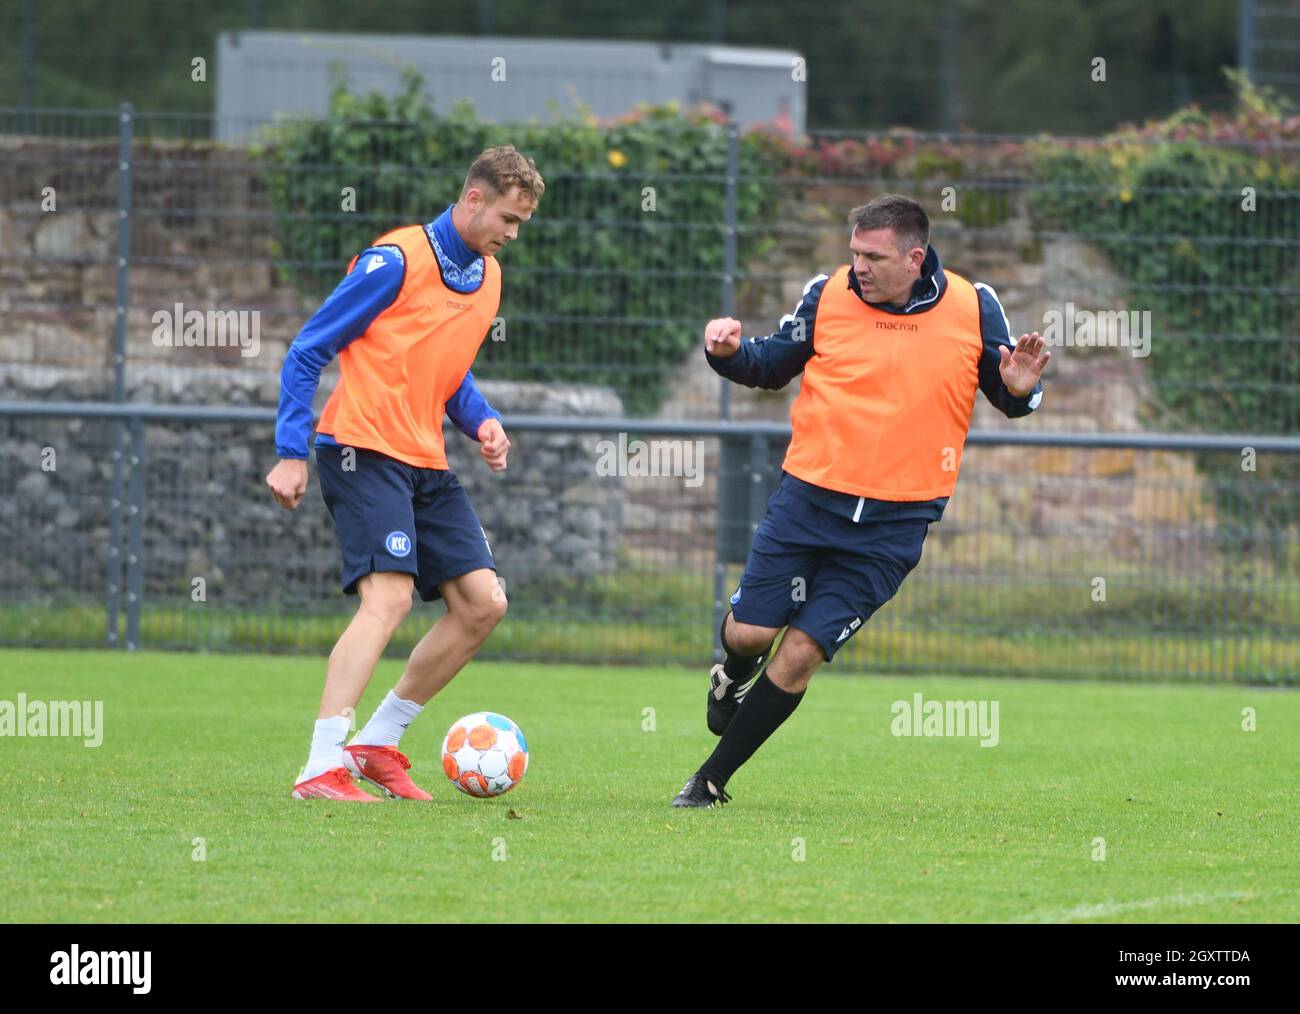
(1199, 817)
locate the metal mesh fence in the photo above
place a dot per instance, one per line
(1044, 564)
(58, 296)
(60, 531)
(1198, 243)
(1194, 556)
(1271, 43)
(1198, 295)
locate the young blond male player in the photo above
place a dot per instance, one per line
(406, 324)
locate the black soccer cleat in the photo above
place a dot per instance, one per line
(725, 696)
(700, 792)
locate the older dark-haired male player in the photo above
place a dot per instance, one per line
(892, 348)
(406, 324)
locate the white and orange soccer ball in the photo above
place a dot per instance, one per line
(485, 754)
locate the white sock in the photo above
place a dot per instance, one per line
(326, 746)
(389, 721)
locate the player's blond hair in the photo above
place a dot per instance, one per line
(501, 167)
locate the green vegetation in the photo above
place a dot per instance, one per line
(622, 257)
(1198, 214)
(1222, 630)
(1018, 66)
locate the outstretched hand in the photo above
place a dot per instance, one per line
(1022, 368)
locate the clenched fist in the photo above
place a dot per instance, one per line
(722, 337)
(492, 435)
(288, 481)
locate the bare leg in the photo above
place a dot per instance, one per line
(747, 639)
(475, 605)
(385, 601)
(795, 661)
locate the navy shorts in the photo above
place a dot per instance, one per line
(821, 573)
(391, 516)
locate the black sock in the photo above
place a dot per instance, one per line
(765, 707)
(738, 667)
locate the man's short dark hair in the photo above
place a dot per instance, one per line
(908, 219)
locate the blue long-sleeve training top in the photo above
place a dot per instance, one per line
(344, 316)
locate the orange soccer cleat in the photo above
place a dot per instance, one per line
(335, 783)
(385, 768)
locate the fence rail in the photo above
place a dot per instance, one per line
(1008, 585)
(679, 427)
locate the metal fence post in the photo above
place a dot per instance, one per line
(757, 472)
(115, 537)
(948, 49)
(724, 389)
(720, 604)
(1246, 37)
(135, 539)
(125, 118)
(729, 252)
(26, 63)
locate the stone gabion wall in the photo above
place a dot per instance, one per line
(208, 513)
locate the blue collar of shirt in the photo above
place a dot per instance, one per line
(926, 290)
(462, 268)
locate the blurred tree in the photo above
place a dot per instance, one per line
(1023, 66)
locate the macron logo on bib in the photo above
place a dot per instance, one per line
(398, 543)
(377, 261)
